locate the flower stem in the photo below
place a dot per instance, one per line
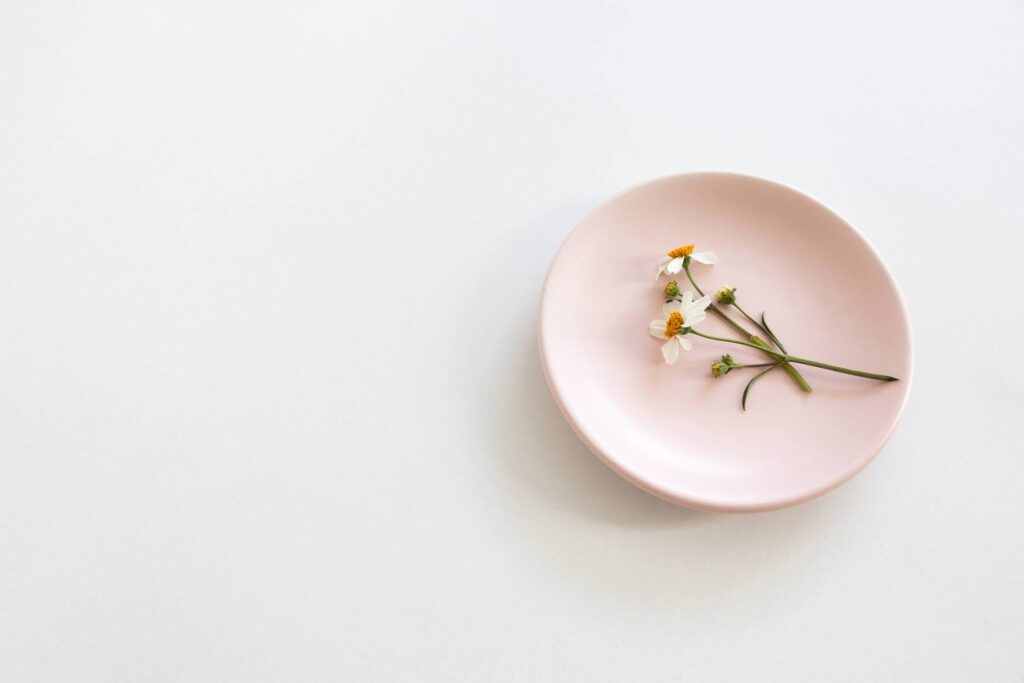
(847, 371)
(804, 361)
(715, 309)
(778, 355)
(758, 325)
(793, 372)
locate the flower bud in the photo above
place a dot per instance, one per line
(723, 366)
(672, 289)
(726, 295)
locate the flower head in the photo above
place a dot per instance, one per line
(680, 315)
(723, 366)
(726, 295)
(680, 256)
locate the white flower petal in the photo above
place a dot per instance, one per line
(670, 350)
(707, 257)
(671, 307)
(687, 299)
(657, 329)
(695, 318)
(674, 266)
(661, 267)
(696, 307)
(684, 342)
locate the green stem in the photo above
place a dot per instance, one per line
(778, 342)
(715, 309)
(778, 355)
(804, 361)
(793, 372)
(757, 325)
(846, 371)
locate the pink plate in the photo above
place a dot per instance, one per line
(673, 430)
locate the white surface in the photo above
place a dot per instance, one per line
(271, 405)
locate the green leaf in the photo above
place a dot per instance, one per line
(764, 324)
(753, 379)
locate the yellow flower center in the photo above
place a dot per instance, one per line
(681, 251)
(673, 324)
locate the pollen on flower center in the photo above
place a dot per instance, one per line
(681, 251)
(674, 324)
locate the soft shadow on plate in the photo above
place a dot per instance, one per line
(539, 454)
(542, 452)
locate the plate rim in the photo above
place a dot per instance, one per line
(695, 500)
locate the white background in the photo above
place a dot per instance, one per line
(270, 401)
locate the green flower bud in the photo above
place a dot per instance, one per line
(723, 366)
(726, 295)
(672, 289)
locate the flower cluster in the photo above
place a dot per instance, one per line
(683, 311)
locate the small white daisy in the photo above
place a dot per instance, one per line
(674, 263)
(680, 316)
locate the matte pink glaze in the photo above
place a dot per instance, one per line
(673, 430)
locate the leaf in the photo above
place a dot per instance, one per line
(753, 379)
(764, 324)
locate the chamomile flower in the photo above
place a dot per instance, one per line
(680, 316)
(677, 258)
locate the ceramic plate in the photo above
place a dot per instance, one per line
(674, 430)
